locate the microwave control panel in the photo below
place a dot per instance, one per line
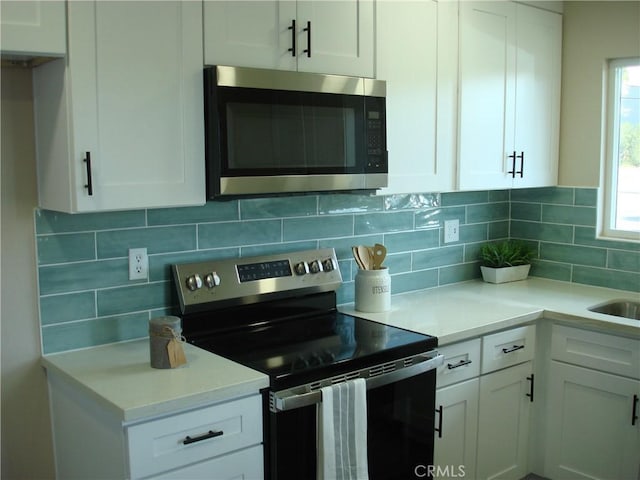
(376, 137)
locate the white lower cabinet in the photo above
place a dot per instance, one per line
(483, 406)
(593, 429)
(504, 423)
(457, 418)
(221, 440)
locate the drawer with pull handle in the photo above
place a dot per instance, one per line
(193, 436)
(461, 362)
(511, 347)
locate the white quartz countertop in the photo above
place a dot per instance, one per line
(464, 310)
(119, 377)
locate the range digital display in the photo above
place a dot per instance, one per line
(259, 271)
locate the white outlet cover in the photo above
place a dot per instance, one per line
(451, 231)
(138, 264)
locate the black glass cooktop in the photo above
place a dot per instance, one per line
(302, 350)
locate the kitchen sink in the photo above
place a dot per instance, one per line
(619, 308)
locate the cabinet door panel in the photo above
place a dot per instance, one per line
(411, 92)
(132, 96)
(33, 27)
(539, 43)
(456, 445)
(590, 434)
(487, 88)
(341, 37)
(249, 33)
(503, 427)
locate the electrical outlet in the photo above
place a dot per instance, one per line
(138, 264)
(451, 231)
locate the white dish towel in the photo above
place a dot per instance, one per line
(342, 432)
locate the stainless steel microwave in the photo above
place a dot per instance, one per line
(278, 132)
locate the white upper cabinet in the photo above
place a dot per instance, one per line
(33, 27)
(416, 54)
(509, 112)
(129, 99)
(335, 37)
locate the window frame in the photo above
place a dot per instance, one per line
(608, 185)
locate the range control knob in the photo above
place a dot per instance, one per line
(194, 282)
(315, 266)
(301, 268)
(212, 280)
(328, 265)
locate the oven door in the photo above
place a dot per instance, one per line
(400, 433)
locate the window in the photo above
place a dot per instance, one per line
(621, 189)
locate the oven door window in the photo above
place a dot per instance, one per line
(400, 432)
(270, 132)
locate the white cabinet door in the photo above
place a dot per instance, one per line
(503, 427)
(250, 33)
(590, 431)
(275, 34)
(31, 27)
(487, 93)
(132, 97)
(419, 104)
(509, 95)
(457, 420)
(341, 40)
(537, 108)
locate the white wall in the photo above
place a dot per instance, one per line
(592, 33)
(26, 433)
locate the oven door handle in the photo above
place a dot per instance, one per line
(289, 400)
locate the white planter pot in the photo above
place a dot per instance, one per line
(505, 274)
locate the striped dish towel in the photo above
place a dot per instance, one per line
(342, 432)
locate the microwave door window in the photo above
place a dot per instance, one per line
(330, 133)
(264, 137)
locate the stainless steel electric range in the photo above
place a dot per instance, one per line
(277, 314)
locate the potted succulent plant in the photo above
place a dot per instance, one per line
(505, 261)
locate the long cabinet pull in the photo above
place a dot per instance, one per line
(515, 348)
(513, 170)
(308, 30)
(293, 38)
(461, 363)
(89, 184)
(521, 157)
(210, 434)
(530, 394)
(439, 429)
(634, 410)
(512, 157)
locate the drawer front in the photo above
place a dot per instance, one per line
(504, 349)
(244, 464)
(194, 436)
(461, 362)
(600, 351)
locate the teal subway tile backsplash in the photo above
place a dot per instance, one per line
(86, 297)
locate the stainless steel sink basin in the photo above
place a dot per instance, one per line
(619, 308)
